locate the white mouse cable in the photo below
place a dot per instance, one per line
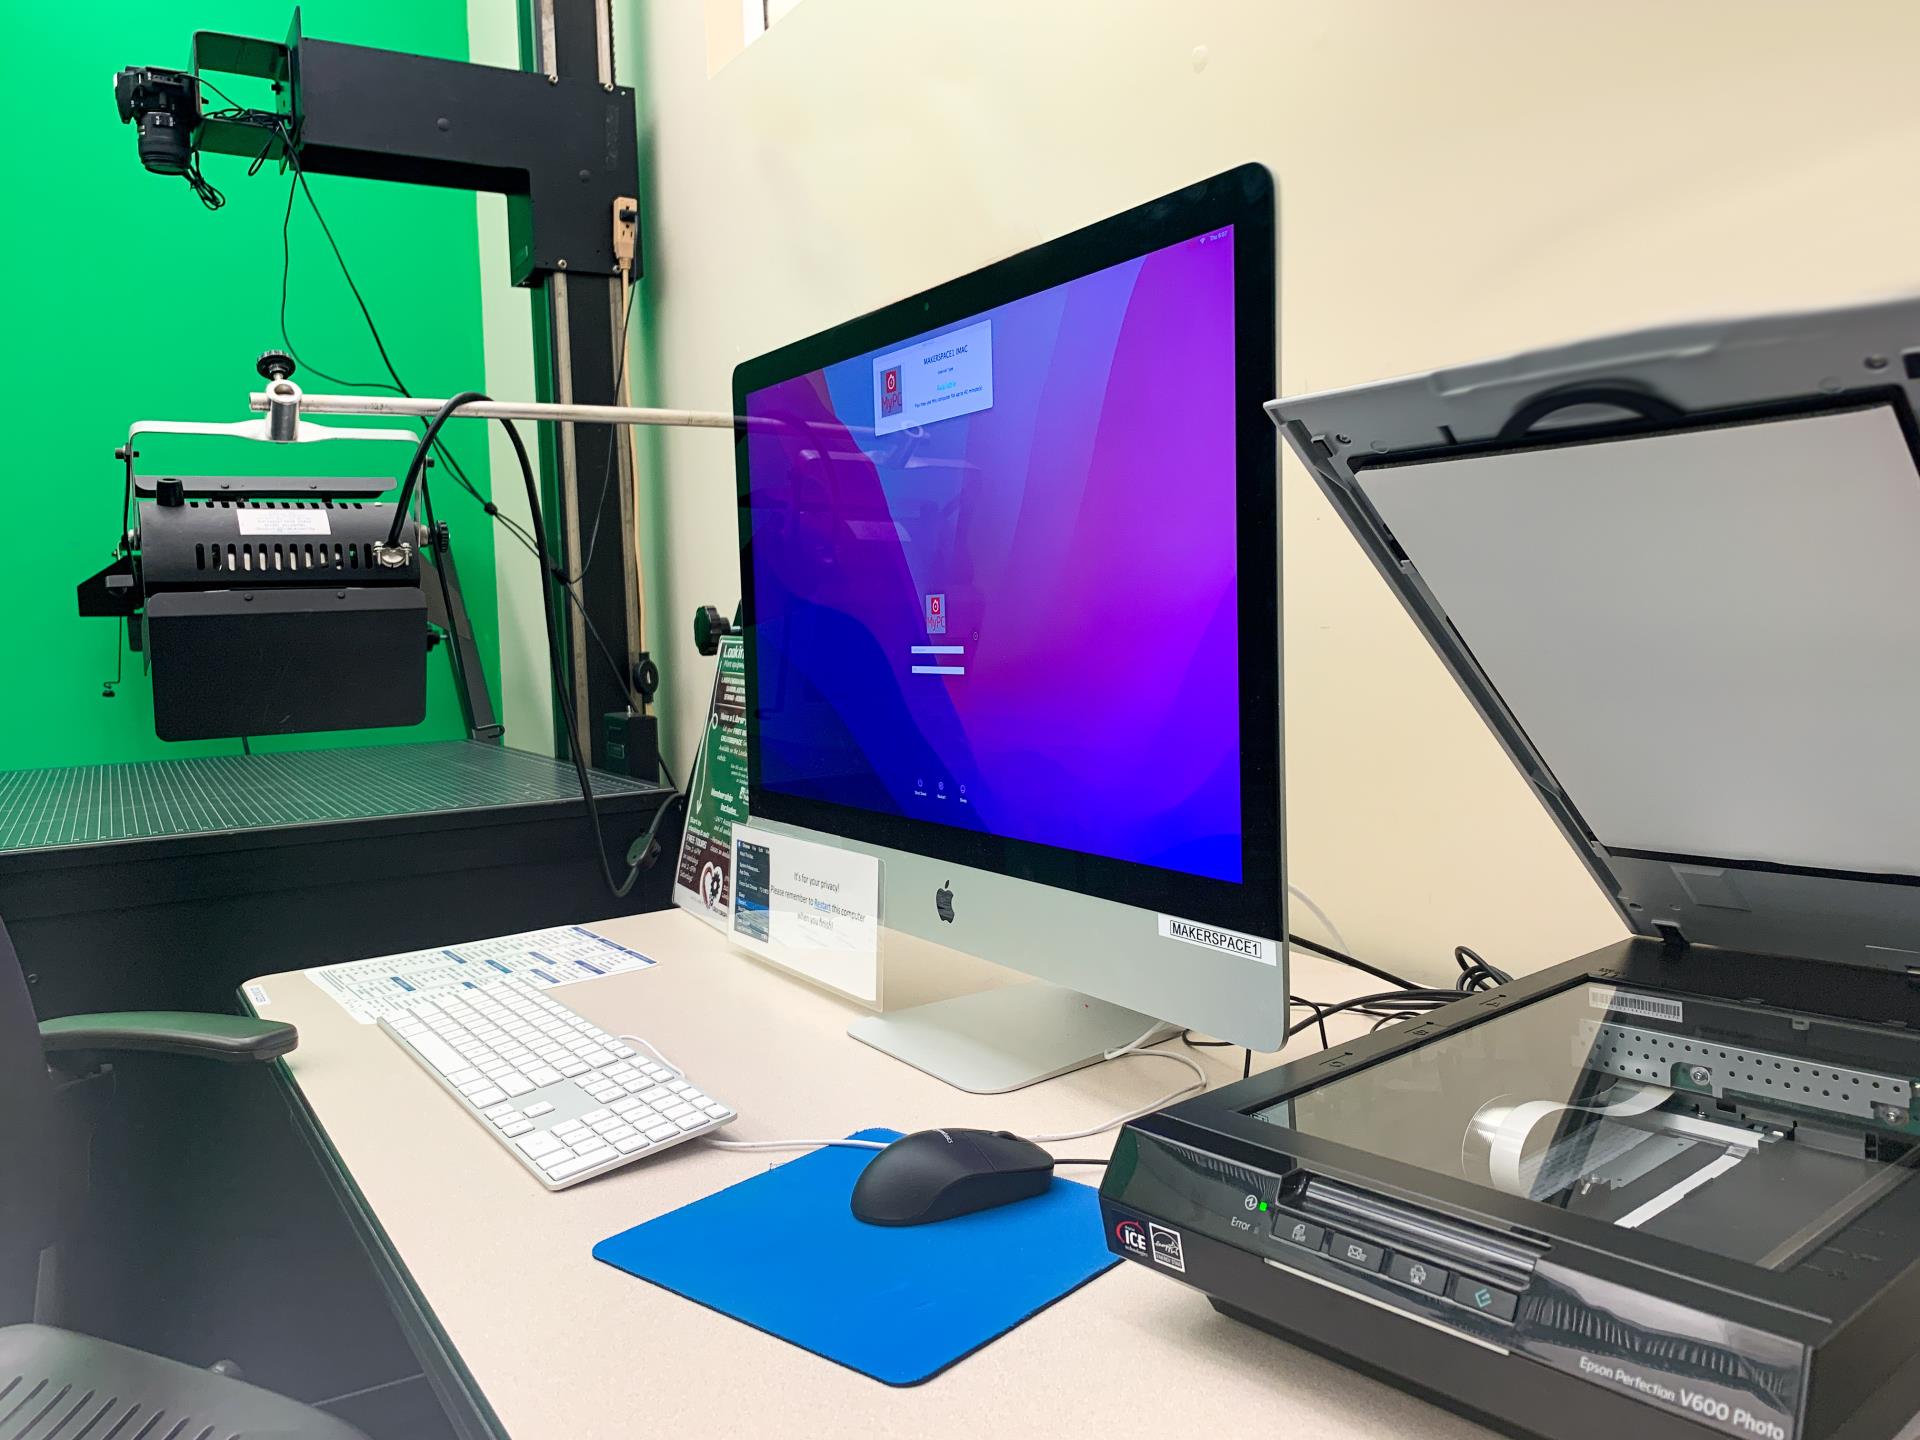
(1135, 1047)
(655, 1051)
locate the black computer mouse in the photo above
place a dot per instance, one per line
(939, 1174)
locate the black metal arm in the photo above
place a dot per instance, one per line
(561, 147)
(171, 1032)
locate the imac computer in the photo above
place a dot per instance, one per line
(1010, 589)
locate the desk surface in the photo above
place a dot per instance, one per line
(563, 1346)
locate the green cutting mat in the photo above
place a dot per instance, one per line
(88, 804)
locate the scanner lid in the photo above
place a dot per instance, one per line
(1678, 572)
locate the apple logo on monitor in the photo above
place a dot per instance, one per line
(943, 902)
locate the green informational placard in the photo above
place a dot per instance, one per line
(716, 795)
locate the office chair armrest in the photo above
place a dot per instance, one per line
(171, 1032)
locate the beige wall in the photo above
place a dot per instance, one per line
(1456, 180)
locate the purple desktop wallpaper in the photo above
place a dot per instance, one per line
(993, 570)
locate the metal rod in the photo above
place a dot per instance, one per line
(416, 408)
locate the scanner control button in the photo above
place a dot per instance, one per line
(1295, 1231)
(1350, 1251)
(1418, 1273)
(1486, 1299)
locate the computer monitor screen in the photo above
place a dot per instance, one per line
(1009, 560)
(957, 627)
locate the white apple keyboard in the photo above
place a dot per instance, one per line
(568, 1100)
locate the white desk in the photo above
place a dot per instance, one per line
(562, 1346)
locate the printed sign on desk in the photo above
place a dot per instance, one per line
(812, 909)
(716, 794)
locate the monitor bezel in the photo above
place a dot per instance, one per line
(1242, 197)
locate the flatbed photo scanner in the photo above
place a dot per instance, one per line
(1666, 1189)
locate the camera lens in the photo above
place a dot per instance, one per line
(165, 146)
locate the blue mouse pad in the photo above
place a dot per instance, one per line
(783, 1253)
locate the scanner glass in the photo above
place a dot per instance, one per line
(1754, 1135)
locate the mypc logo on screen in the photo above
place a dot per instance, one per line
(890, 399)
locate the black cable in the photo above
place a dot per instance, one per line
(1477, 974)
(613, 445)
(1058, 1163)
(1319, 1015)
(587, 621)
(245, 748)
(204, 188)
(644, 850)
(298, 185)
(440, 417)
(399, 387)
(1186, 1038)
(300, 179)
(1340, 957)
(644, 859)
(1411, 998)
(446, 597)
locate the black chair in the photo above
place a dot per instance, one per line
(55, 1384)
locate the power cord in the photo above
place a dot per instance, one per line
(419, 461)
(1411, 1000)
(1186, 1038)
(642, 854)
(653, 1050)
(1340, 957)
(1326, 922)
(399, 387)
(1387, 1007)
(1134, 1047)
(842, 1144)
(1477, 974)
(1319, 1017)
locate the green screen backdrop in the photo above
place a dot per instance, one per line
(127, 300)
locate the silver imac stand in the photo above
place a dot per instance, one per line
(1007, 1037)
(950, 934)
